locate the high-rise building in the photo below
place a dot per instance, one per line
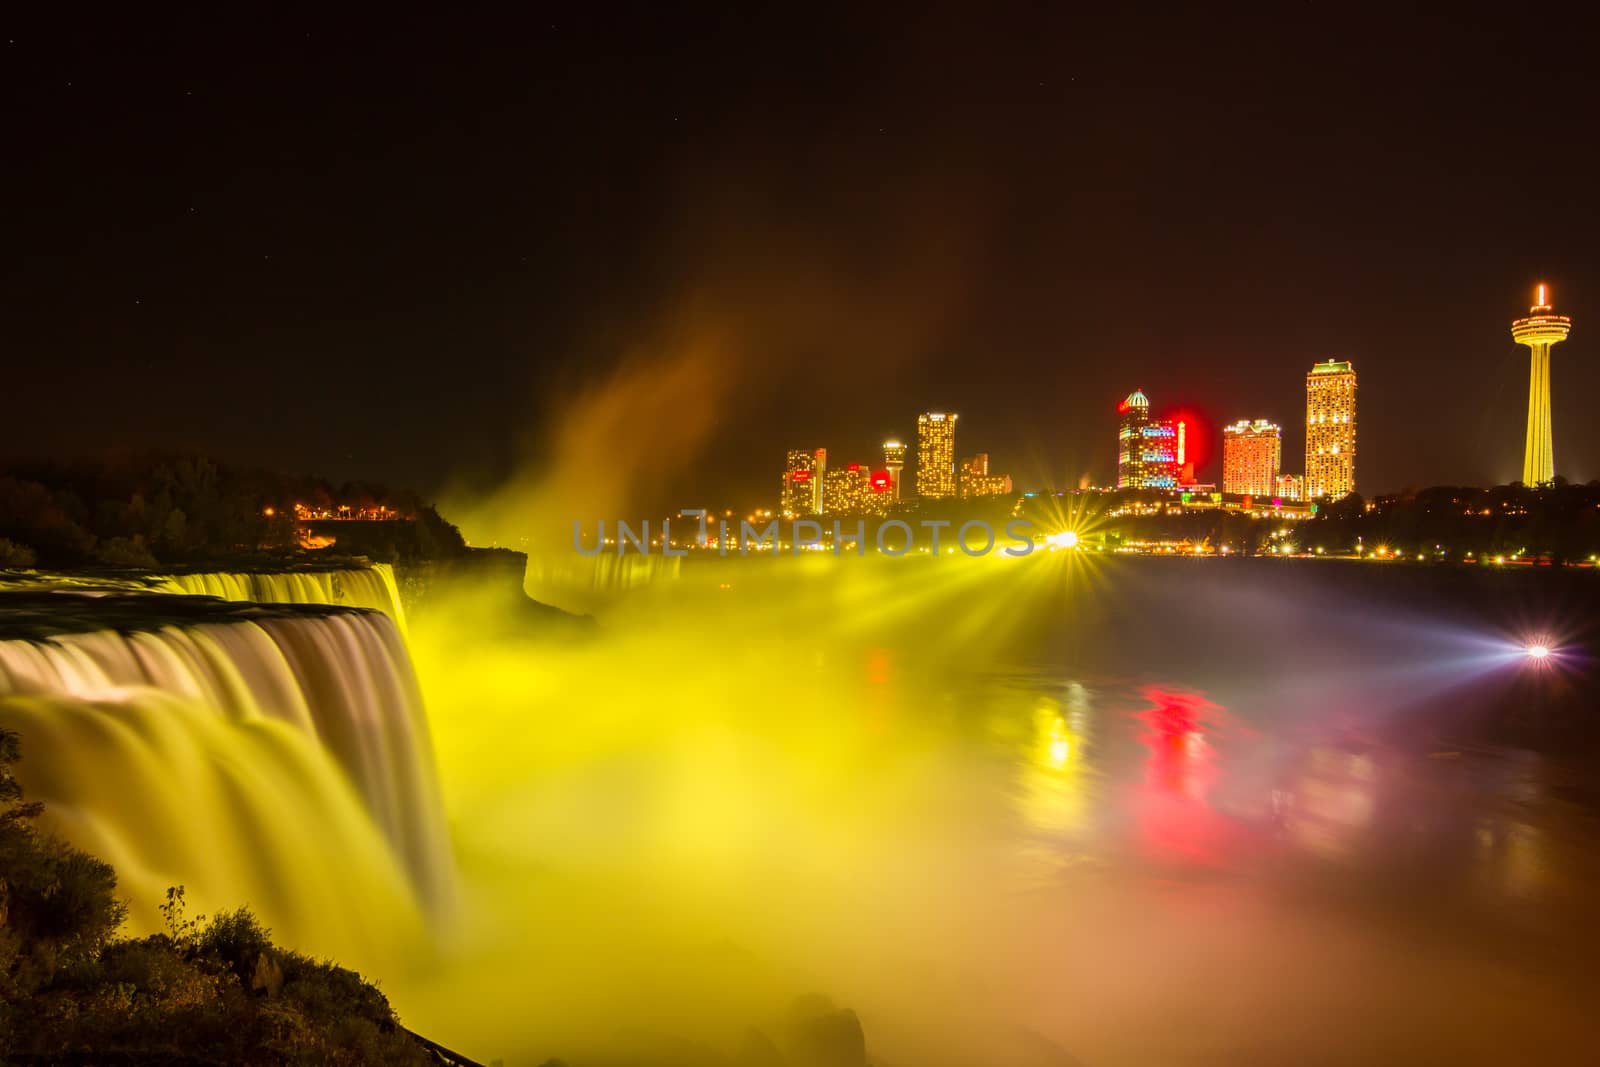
(973, 478)
(1291, 486)
(1147, 449)
(936, 454)
(1134, 414)
(847, 490)
(802, 482)
(1330, 430)
(1251, 453)
(894, 461)
(1541, 329)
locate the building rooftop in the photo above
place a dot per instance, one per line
(1333, 366)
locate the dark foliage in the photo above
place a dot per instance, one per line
(1559, 523)
(204, 992)
(126, 511)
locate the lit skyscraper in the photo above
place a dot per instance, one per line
(1541, 329)
(1251, 453)
(1147, 449)
(1330, 430)
(847, 490)
(936, 454)
(974, 479)
(894, 461)
(1134, 414)
(802, 482)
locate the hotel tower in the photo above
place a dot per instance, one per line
(1251, 452)
(1541, 329)
(803, 473)
(936, 454)
(1330, 430)
(1149, 451)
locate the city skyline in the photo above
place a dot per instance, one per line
(947, 244)
(810, 487)
(1152, 451)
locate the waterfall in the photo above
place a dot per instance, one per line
(276, 757)
(589, 583)
(358, 587)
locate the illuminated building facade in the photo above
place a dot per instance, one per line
(974, 478)
(1330, 430)
(1149, 453)
(847, 490)
(894, 461)
(1133, 415)
(1541, 329)
(936, 454)
(1290, 487)
(802, 482)
(1251, 454)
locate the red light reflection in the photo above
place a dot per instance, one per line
(1175, 817)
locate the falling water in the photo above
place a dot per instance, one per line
(279, 758)
(583, 584)
(357, 587)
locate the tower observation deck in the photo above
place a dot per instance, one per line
(1541, 329)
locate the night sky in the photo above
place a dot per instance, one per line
(396, 248)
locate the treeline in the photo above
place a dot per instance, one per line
(1560, 522)
(73, 991)
(151, 510)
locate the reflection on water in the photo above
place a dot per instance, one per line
(1002, 836)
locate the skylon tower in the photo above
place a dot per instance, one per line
(1541, 329)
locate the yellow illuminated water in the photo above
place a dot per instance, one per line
(1035, 812)
(1009, 812)
(273, 759)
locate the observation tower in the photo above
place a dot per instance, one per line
(1541, 329)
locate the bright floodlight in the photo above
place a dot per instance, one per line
(1538, 651)
(1064, 539)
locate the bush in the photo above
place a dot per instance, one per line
(15, 556)
(204, 992)
(124, 552)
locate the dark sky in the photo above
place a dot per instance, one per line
(396, 248)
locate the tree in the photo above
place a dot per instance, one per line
(210, 992)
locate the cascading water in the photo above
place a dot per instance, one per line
(357, 587)
(272, 756)
(587, 584)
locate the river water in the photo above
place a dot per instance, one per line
(1050, 811)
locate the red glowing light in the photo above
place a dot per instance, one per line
(801, 476)
(1172, 805)
(1194, 434)
(853, 467)
(881, 482)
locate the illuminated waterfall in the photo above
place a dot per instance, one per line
(357, 587)
(278, 759)
(589, 583)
